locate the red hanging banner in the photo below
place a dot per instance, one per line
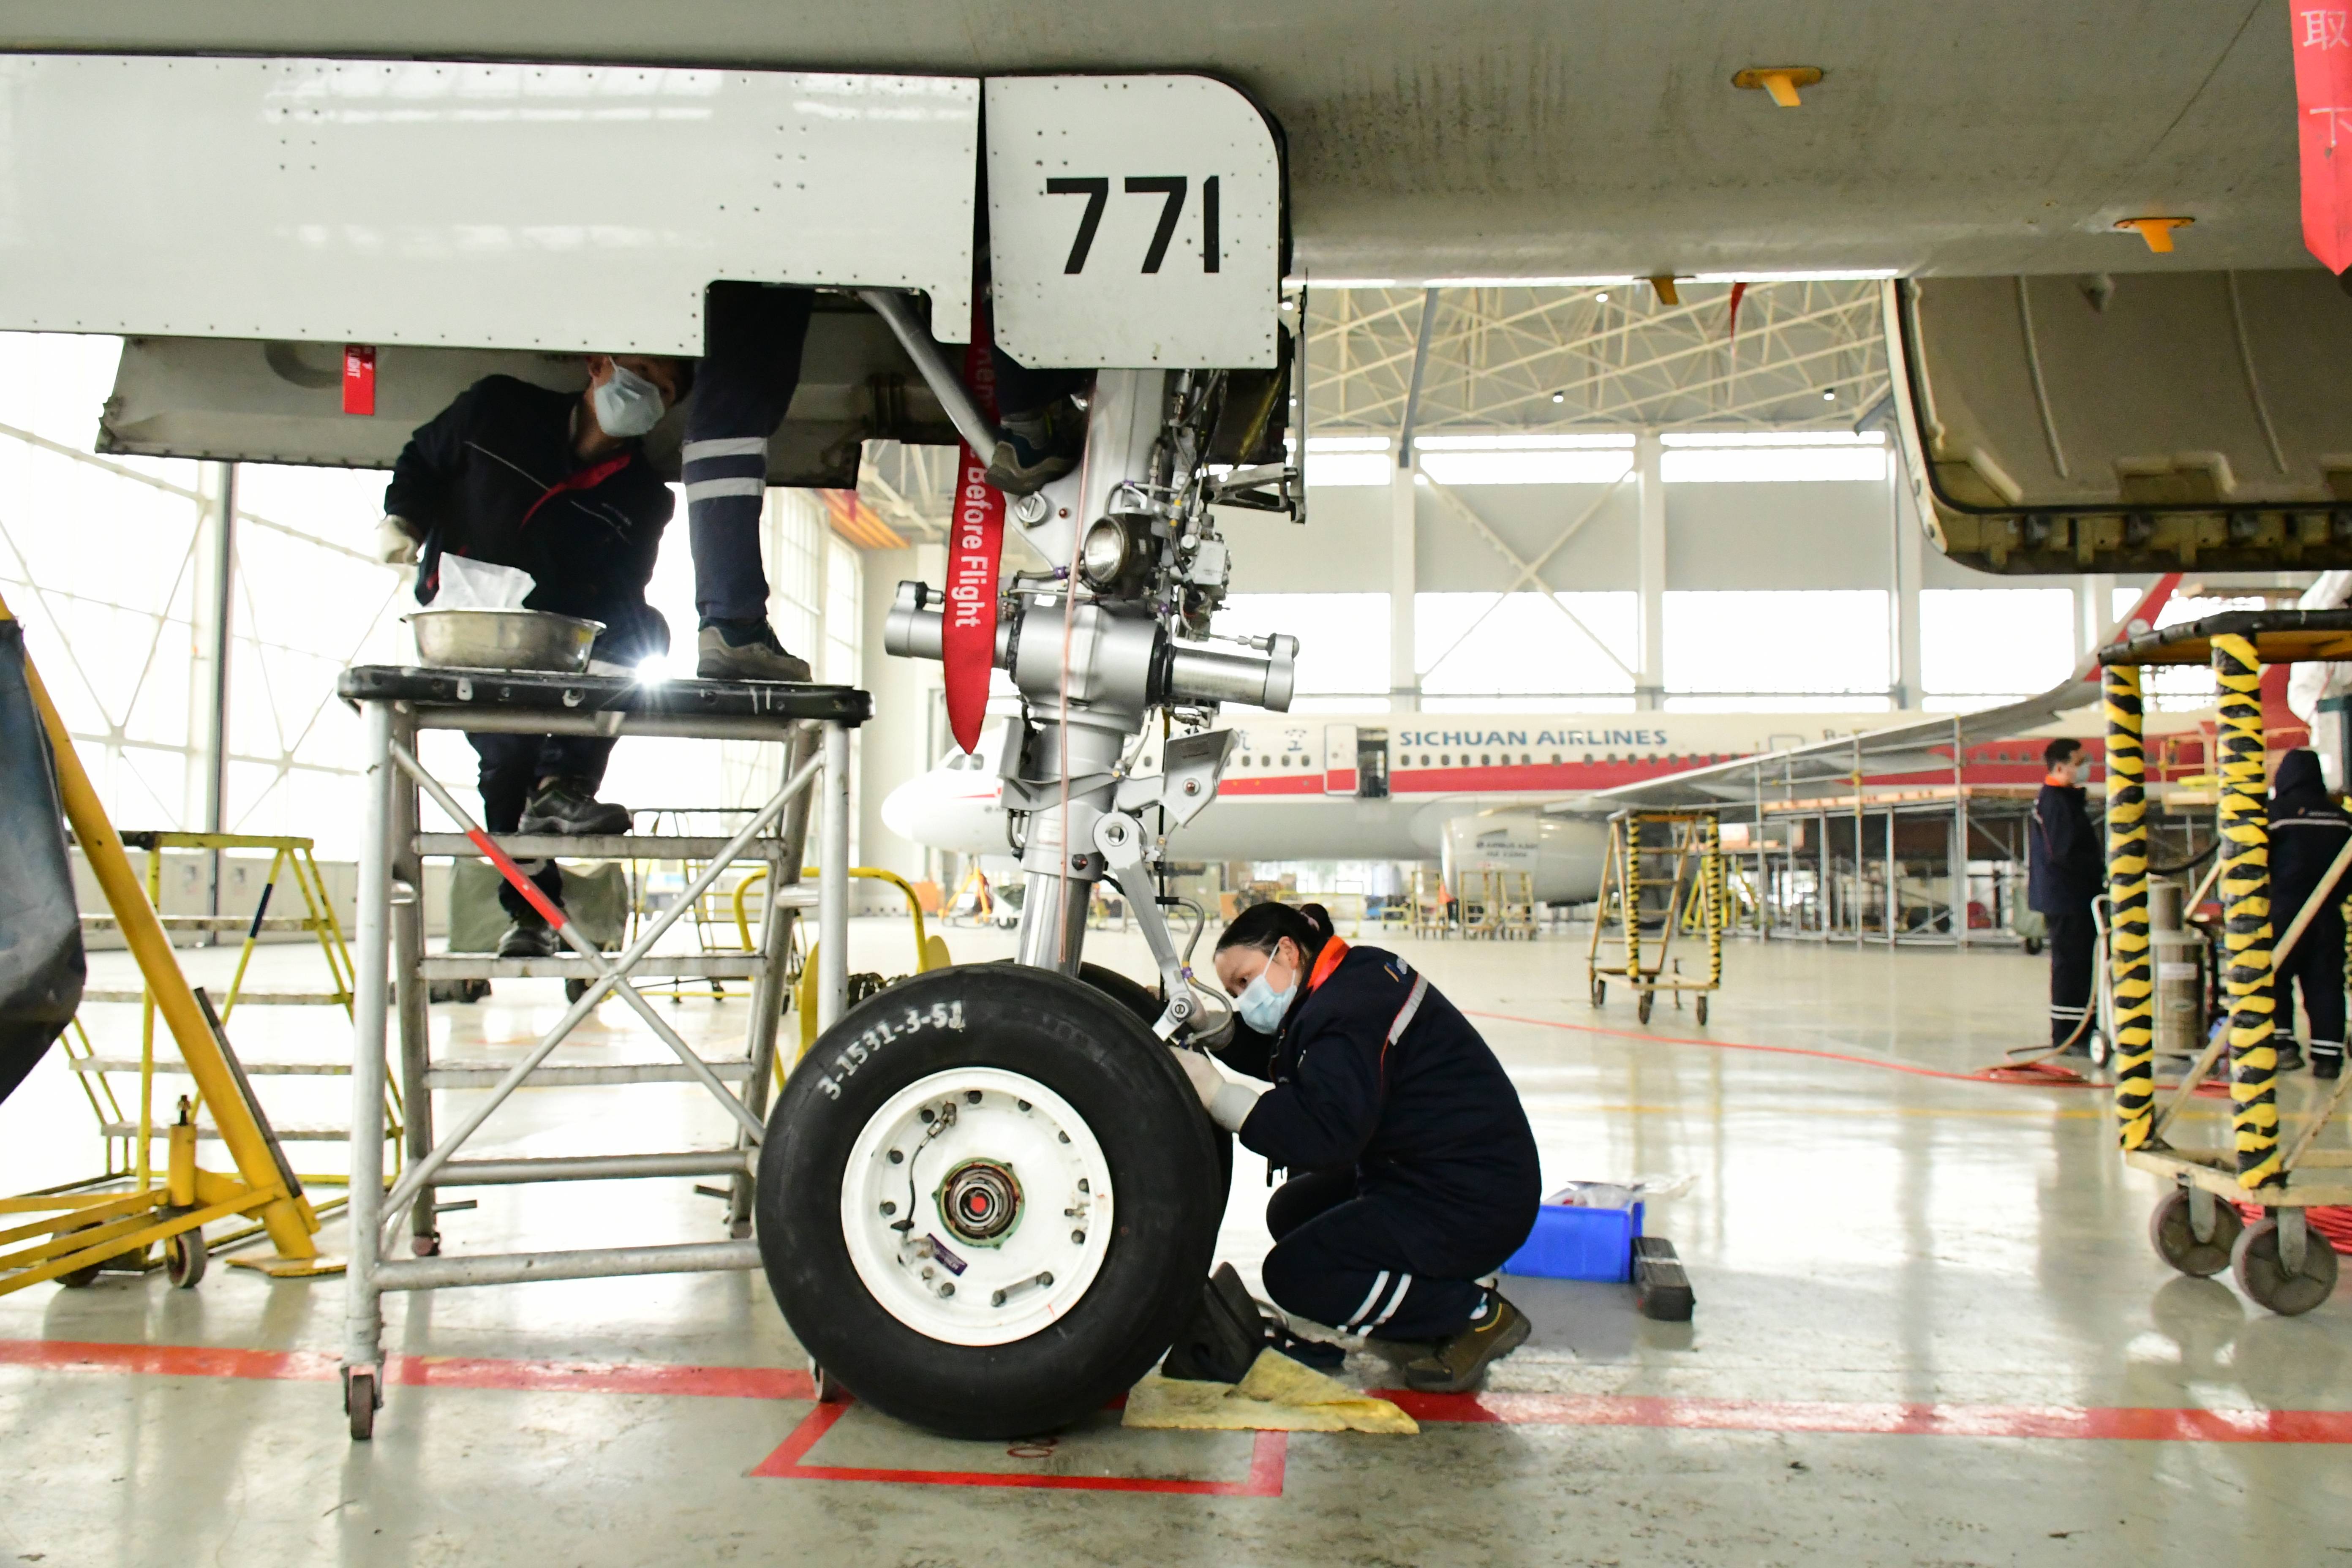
(359, 378)
(975, 544)
(2323, 95)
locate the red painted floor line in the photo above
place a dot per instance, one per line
(1675, 1411)
(1268, 1456)
(411, 1370)
(1883, 1420)
(1984, 1077)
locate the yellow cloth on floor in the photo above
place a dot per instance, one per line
(1279, 1394)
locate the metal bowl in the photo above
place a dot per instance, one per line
(503, 639)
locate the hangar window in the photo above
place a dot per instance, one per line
(1484, 651)
(1978, 644)
(1774, 456)
(1524, 459)
(1351, 461)
(1343, 643)
(1728, 647)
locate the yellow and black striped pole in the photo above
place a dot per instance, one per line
(2246, 908)
(2127, 945)
(1711, 868)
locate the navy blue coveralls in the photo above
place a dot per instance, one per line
(494, 478)
(1416, 1167)
(2064, 871)
(2307, 832)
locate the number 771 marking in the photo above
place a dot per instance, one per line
(1171, 188)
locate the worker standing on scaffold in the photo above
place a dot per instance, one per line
(2307, 832)
(2064, 871)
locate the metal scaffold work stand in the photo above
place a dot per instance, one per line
(1688, 844)
(2279, 1260)
(812, 724)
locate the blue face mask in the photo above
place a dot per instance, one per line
(1261, 1007)
(627, 404)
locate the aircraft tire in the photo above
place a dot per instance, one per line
(932, 1196)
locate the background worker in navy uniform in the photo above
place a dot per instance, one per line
(1415, 1170)
(2307, 831)
(2066, 869)
(555, 484)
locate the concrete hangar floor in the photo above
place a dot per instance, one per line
(1930, 1330)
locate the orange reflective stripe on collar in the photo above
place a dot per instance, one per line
(1334, 950)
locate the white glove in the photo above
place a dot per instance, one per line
(395, 545)
(1228, 1103)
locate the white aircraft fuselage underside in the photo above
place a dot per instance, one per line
(1463, 140)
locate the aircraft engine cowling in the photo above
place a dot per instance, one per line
(1563, 855)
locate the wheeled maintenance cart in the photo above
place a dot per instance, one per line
(811, 724)
(1688, 846)
(2279, 1260)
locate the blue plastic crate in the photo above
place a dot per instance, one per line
(1578, 1243)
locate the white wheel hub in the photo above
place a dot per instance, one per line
(977, 1206)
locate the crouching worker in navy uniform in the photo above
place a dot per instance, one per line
(1413, 1168)
(2307, 832)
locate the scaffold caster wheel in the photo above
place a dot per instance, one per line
(1600, 992)
(2263, 1275)
(987, 1200)
(1641, 1008)
(2170, 1232)
(822, 1386)
(425, 1246)
(1699, 1009)
(184, 1258)
(574, 989)
(362, 1399)
(2099, 1049)
(80, 1278)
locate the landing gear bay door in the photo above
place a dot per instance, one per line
(1135, 222)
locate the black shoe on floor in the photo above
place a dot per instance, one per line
(1038, 447)
(569, 808)
(530, 937)
(2327, 1064)
(1459, 1364)
(2290, 1057)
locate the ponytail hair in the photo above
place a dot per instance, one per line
(1262, 927)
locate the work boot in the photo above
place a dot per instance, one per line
(1038, 447)
(2326, 1063)
(2290, 1057)
(569, 808)
(745, 650)
(1459, 1364)
(530, 937)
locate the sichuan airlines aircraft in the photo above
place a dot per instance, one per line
(1530, 791)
